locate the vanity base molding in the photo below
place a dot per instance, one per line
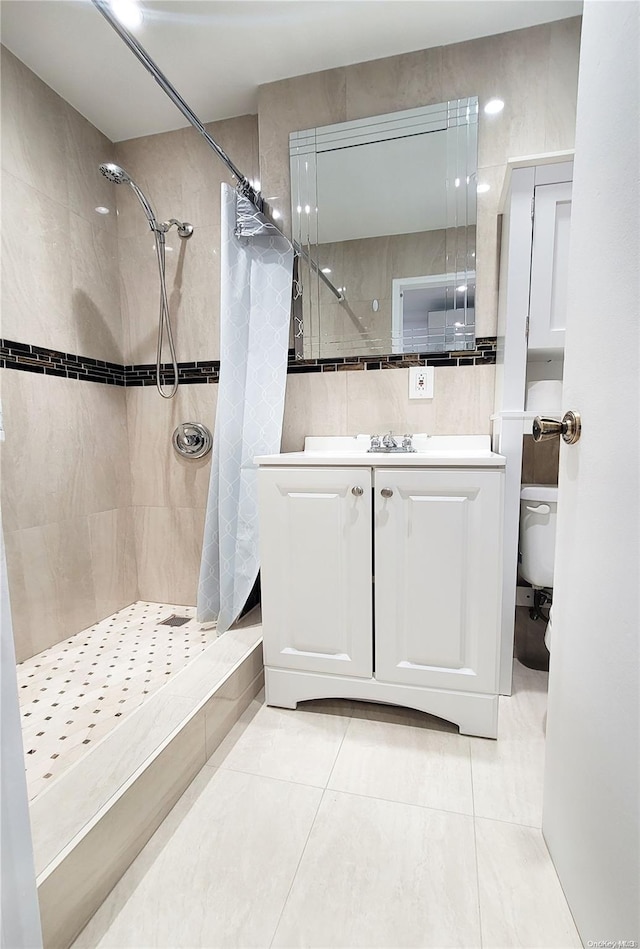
(475, 713)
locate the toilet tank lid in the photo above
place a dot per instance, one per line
(539, 492)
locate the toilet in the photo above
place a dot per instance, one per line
(538, 515)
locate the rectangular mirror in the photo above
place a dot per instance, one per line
(384, 217)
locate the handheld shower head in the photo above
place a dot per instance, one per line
(119, 176)
(115, 173)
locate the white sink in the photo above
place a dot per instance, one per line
(443, 450)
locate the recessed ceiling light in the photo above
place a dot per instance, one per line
(457, 182)
(461, 288)
(102, 210)
(494, 106)
(483, 188)
(307, 209)
(128, 12)
(326, 270)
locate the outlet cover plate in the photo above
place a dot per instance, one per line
(421, 382)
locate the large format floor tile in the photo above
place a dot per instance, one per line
(508, 774)
(377, 873)
(298, 745)
(399, 762)
(521, 900)
(364, 839)
(216, 874)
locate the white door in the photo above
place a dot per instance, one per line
(591, 818)
(549, 266)
(315, 542)
(437, 577)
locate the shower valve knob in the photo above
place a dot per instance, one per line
(192, 440)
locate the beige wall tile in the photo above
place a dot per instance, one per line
(379, 402)
(533, 70)
(287, 106)
(95, 310)
(193, 290)
(315, 404)
(36, 268)
(562, 85)
(462, 403)
(43, 457)
(394, 83)
(86, 150)
(33, 130)
(204, 172)
(50, 584)
(113, 560)
(159, 476)
(509, 66)
(155, 163)
(168, 548)
(463, 400)
(105, 475)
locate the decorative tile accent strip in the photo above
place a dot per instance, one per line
(50, 362)
(483, 355)
(144, 374)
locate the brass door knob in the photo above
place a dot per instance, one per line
(569, 428)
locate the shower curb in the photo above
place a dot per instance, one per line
(74, 885)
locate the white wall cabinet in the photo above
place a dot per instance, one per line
(389, 595)
(549, 267)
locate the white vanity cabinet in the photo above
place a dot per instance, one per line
(382, 583)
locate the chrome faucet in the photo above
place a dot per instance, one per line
(389, 443)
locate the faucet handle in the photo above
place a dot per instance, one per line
(407, 441)
(375, 442)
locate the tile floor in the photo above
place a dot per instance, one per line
(76, 692)
(350, 825)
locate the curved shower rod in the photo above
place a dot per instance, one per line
(244, 185)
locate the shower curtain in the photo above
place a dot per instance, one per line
(255, 308)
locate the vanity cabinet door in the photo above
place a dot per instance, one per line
(315, 540)
(437, 578)
(549, 266)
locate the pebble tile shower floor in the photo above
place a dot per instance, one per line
(76, 692)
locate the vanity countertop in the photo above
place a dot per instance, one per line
(443, 451)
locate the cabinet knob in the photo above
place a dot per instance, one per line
(386, 493)
(358, 491)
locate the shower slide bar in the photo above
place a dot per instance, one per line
(244, 186)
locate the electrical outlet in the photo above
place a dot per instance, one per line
(421, 382)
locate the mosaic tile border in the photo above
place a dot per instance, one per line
(51, 362)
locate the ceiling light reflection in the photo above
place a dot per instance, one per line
(127, 12)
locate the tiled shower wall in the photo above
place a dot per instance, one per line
(66, 491)
(75, 513)
(182, 177)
